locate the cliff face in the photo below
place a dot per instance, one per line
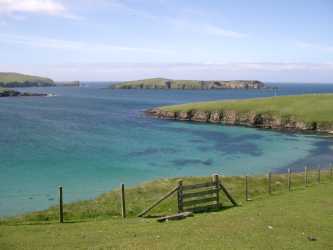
(249, 119)
(161, 83)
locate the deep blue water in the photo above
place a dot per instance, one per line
(92, 139)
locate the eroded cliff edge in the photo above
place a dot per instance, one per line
(249, 119)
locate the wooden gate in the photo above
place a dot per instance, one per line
(196, 197)
(199, 197)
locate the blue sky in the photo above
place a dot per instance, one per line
(268, 40)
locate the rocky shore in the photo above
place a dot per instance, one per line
(14, 93)
(248, 119)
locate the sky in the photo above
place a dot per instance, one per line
(112, 40)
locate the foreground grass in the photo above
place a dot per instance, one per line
(283, 221)
(138, 198)
(307, 108)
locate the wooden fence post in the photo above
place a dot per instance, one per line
(246, 188)
(217, 186)
(306, 176)
(180, 196)
(123, 201)
(289, 179)
(269, 179)
(318, 177)
(61, 205)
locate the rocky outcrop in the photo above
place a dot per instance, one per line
(200, 116)
(215, 117)
(250, 119)
(14, 93)
(184, 116)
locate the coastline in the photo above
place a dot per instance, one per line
(304, 113)
(250, 119)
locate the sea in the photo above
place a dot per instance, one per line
(93, 138)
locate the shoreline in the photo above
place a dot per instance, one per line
(235, 118)
(15, 93)
(293, 113)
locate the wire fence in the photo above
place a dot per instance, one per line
(67, 205)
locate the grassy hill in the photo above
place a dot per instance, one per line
(291, 220)
(306, 112)
(163, 83)
(20, 80)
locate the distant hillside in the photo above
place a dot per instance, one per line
(162, 83)
(19, 80)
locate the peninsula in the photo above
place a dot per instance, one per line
(16, 80)
(313, 112)
(163, 83)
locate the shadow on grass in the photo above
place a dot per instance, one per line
(40, 223)
(208, 210)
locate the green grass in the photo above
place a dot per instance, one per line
(138, 198)
(307, 108)
(21, 80)
(281, 221)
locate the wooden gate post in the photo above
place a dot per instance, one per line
(61, 205)
(123, 201)
(289, 179)
(246, 188)
(306, 176)
(180, 197)
(217, 186)
(269, 179)
(318, 177)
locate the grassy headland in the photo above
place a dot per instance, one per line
(14, 80)
(162, 83)
(304, 112)
(294, 220)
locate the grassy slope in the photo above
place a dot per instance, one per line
(8, 79)
(293, 217)
(307, 108)
(140, 197)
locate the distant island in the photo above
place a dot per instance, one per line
(16, 80)
(68, 84)
(163, 83)
(14, 93)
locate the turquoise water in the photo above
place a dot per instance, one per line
(92, 139)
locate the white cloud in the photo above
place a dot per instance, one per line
(14, 8)
(50, 43)
(188, 20)
(50, 7)
(313, 46)
(273, 72)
